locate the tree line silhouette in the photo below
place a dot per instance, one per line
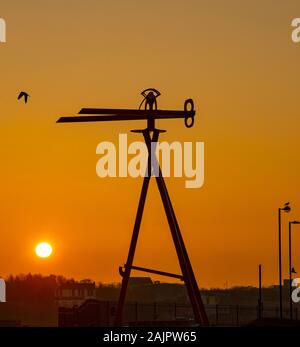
(34, 288)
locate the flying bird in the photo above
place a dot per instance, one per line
(23, 95)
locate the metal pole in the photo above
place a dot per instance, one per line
(136, 228)
(108, 313)
(259, 292)
(279, 260)
(290, 269)
(135, 234)
(186, 268)
(136, 312)
(154, 311)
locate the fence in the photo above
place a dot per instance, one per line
(102, 313)
(218, 315)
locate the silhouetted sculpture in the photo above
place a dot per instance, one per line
(151, 134)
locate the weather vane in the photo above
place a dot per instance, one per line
(151, 134)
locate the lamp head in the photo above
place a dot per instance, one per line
(286, 208)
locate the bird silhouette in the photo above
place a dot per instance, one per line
(23, 95)
(293, 270)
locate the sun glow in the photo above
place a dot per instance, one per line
(43, 250)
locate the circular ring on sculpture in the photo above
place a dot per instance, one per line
(189, 107)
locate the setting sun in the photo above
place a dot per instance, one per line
(43, 250)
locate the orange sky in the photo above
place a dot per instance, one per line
(234, 58)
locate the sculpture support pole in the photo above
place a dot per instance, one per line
(129, 262)
(136, 229)
(185, 265)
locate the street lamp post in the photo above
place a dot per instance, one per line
(291, 269)
(286, 208)
(259, 293)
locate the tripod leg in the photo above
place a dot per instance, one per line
(186, 268)
(187, 260)
(135, 234)
(137, 224)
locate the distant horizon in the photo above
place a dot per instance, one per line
(119, 283)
